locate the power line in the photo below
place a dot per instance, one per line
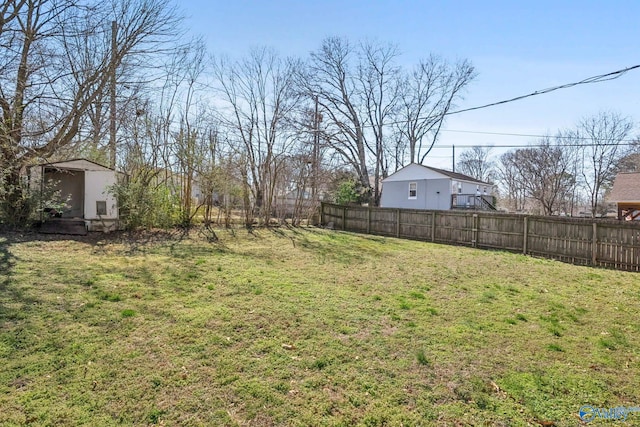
(594, 79)
(527, 135)
(449, 146)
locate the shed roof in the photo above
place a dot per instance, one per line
(626, 187)
(78, 163)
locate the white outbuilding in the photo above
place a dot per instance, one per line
(85, 186)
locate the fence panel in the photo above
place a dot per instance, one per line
(383, 221)
(501, 232)
(455, 228)
(603, 243)
(565, 240)
(618, 246)
(331, 214)
(356, 219)
(416, 225)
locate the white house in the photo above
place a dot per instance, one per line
(85, 185)
(423, 187)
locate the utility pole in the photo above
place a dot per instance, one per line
(453, 155)
(112, 92)
(316, 152)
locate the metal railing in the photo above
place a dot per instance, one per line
(473, 201)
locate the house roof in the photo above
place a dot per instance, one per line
(457, 176)
(429, 171)
(626, 188)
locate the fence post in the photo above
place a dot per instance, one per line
(433, 226)
(344, 218)
(397, 222)
(526, 235)
(321, 214)
(474, 231)
(368, 220)
(594, 244)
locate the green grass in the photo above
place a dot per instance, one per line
(307, 327)
(422, 357)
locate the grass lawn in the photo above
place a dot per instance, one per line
(307, 327)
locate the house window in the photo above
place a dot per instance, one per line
(101, 207)
(413, 190)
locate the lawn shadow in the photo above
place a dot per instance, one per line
(330, 244)
(7, 262)
(13, 300)
(344, 248)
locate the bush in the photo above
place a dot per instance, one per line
(21, 205)
(351, 191)
(147, 206)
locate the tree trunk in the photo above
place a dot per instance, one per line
(16, 202)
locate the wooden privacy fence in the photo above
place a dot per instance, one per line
(604, 243)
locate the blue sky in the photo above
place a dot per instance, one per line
(517, 47)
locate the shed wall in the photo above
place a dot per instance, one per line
(96, 188)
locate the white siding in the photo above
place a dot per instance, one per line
(414, 172)
(431, 194)
(96, 185)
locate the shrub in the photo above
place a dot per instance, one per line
(146, 205)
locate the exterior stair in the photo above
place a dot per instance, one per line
(487, 205)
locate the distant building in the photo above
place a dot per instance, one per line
(423, 187)
(626, 195)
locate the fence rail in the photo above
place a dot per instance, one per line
(603, 243)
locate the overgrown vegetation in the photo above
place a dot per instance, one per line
(29, 204)
(306, 327)
(147, 206)
(351, 191)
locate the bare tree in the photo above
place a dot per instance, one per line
(46, 82)
(192, 142)
(379, 78)
(603, 144)
(544, 173)
(630, 162)
(259, 95)
(331, 77)
(476, 163)
(363, 93)
(511, 181)
(358, 90)
(429, 92)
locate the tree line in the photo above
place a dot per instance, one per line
(198, 133)
(563, 173)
